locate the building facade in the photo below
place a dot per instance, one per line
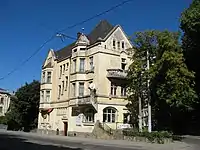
(85, 82)
(4, 101)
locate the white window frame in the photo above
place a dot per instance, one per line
(81, 89)
(109, 115)
(113, 89)
(48, 77)
(91, 63)
(82, 65)
(48, 96)
(89, 115)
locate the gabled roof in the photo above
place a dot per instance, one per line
(99, 32)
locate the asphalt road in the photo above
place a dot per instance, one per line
(21, 142)
(30, 141)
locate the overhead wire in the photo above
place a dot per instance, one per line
(63, 35)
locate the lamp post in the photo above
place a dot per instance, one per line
(149, 98)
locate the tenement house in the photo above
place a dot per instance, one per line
(85, 82)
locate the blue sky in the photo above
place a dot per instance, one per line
(26, 24)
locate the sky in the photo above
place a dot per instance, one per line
(26, 24)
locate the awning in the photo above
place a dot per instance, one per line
(46, 110)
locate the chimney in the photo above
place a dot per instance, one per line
(79, 34)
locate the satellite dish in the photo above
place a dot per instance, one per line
(92, 86)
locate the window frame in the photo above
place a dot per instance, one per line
(109, 115)
(82, 65)
(81, 89)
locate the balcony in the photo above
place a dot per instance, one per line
(117, 73)
(87, 100)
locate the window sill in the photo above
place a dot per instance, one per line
(88, 123)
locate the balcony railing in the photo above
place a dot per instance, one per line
(117, 73)
(91, 100)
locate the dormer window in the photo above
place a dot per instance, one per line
(114, 44)
(82, 49)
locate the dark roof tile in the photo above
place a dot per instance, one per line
(99, 32)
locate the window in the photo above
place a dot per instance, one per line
(122, 44)
(74, 89)
(48, 96)
(75, 50)
(89, 115)
(114, 46)
(113, 90)
(123, 90)
(118, 44)
(1, 101)
(59, 91)
(48, 77)
(1, 109)
(66, 83)
(81, 89)
(105, 46)
(63, 68)
(74, 64)
(60, 71)
(82, 49)
(109, 115)
(91, 64)
(67, 66)
(63, 87)
(42, 96)
(126, 118)
(123, 64)
(82, 64)
(43, 77)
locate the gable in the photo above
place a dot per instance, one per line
(48, 63)
(118, 35)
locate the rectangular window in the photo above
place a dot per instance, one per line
(42, 96)
(91, 64)
(1, 109)
(123, 90)
(63, 68)
(123, 66)
(47, 96)
(82, 49)
(123, 45)
(60, 71)
(43, 77)
(48, 77)
(66, 83)
(59, 91)
(113, 90)
(63, 87)
(74, 89)
(81, 89)
(1, 101)
(82, 64)
(118, 44)
(74, 65)
(114, 44)
(67, 66)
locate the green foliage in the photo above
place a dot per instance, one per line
(3, 120)
(157, 137)
(171, 83)
(23, 111)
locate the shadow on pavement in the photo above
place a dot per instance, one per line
(11, 142)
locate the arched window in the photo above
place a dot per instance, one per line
(89, 115)
(109, 115)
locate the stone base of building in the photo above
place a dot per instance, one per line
(50, 132)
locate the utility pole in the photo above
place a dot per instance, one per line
(140, 106)
(149, 98)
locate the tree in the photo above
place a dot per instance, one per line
(190, 25)
(171, 83)
(24, 110)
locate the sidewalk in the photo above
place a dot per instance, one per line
(112, 143)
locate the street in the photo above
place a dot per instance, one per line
(29, 141)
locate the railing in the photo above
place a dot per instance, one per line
(91, 99)
(116, 73)
(106, 128)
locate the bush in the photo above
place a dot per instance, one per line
(155, 136)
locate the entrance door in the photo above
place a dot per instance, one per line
(65, 128)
